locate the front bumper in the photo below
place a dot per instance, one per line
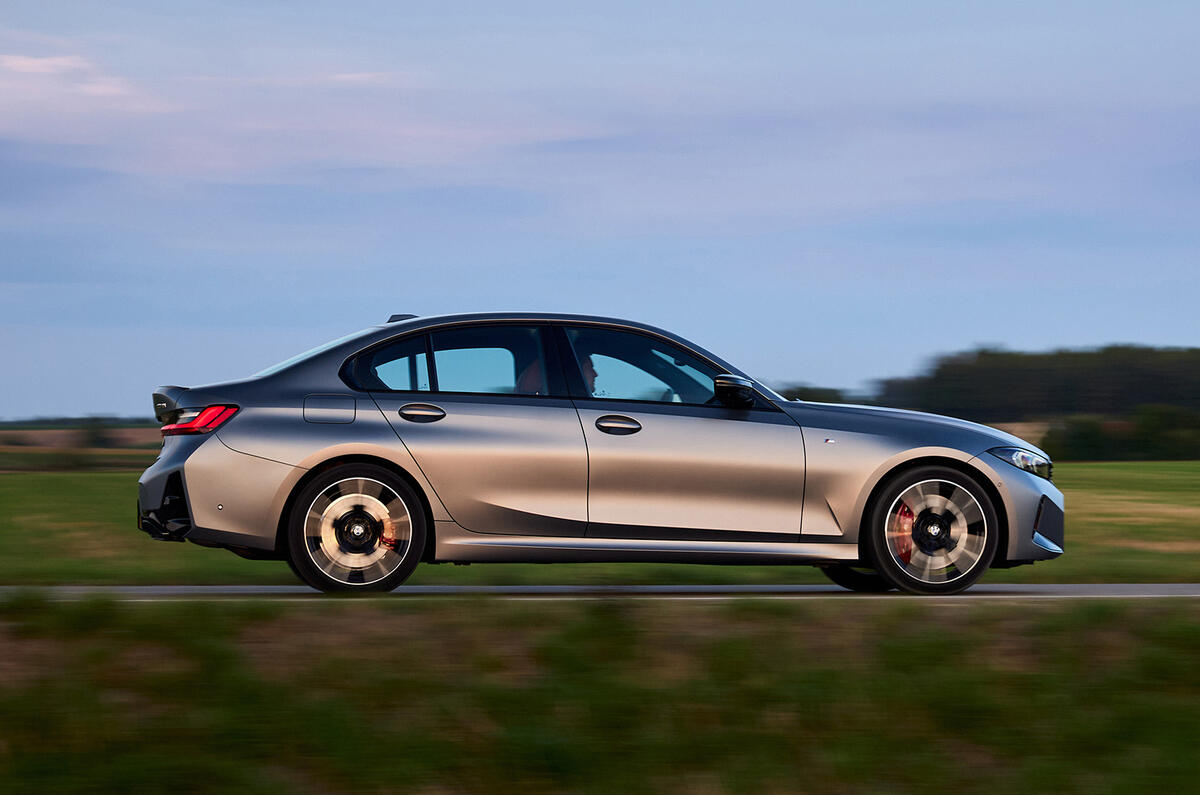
(1036, 513)
(1049, 527)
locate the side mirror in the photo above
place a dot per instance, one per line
(734, 391)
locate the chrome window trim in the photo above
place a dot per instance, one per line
(720, 367)
(428, 332)
(561, 323)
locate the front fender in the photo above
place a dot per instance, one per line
(844, 469)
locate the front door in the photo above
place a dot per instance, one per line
(483, 412)
(667, 461)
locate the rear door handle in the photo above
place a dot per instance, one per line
(618, 425)
(421, 412)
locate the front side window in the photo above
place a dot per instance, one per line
(623, 365)
(494, 360)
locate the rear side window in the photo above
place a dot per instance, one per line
(491, 370)
(493, 360)
(484, 360)
(399, 367)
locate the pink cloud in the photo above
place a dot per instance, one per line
(101, 86)
(51, 65)
(43, 87)
(360, 77)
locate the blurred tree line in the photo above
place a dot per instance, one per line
(1154, 433)
(1119, 402)
(1004, 386)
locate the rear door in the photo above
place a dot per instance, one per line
(484, 412)
(665, 460)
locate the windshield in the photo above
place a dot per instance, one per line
(314, 352)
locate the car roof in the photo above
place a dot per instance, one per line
(322, 363)
(415, 323)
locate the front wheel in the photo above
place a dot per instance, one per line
(357, 527)
(932, 531)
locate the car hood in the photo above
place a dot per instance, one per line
(803, 411)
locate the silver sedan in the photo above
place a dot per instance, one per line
(518, 437)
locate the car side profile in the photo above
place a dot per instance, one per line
(530, 437)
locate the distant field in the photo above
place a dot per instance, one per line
(1126, 522)
(15, 458)
(149, 436)
(612, 696)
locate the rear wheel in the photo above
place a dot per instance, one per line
(356, 527)
(932, 531)
(862, 579)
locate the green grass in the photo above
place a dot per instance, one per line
(34, 459)
(1126, 522)
(611, 696)
(80, 527)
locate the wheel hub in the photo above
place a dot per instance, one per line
(357, 531)
(931, 532)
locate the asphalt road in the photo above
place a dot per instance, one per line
(140, 593)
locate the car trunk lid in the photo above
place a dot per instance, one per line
(168, 403)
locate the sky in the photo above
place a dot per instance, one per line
(822, 193)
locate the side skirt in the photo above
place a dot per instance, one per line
(456, 545)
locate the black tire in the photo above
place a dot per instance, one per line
(860, 579)
(356, 528)
(933, 530)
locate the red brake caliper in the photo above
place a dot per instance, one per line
(388, 538)
(902, 533)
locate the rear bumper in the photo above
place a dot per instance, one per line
(200, 490)
(157, 526)
(162, 507)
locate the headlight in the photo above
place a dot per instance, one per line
(1023, 459)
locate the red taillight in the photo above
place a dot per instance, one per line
(208, 419)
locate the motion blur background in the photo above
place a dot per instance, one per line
(822, 193)
(981, 209)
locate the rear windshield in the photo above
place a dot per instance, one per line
(286, 363)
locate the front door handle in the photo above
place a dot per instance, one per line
(618, 425)
(421, 412)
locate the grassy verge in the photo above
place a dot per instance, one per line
(611, 696)
(1126, 522)
(69, 459)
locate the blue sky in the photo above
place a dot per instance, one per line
(826, 193)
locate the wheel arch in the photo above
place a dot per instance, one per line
(427, 554)
(976, 474)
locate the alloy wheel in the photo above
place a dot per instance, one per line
(936, 532)
(357, 531)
